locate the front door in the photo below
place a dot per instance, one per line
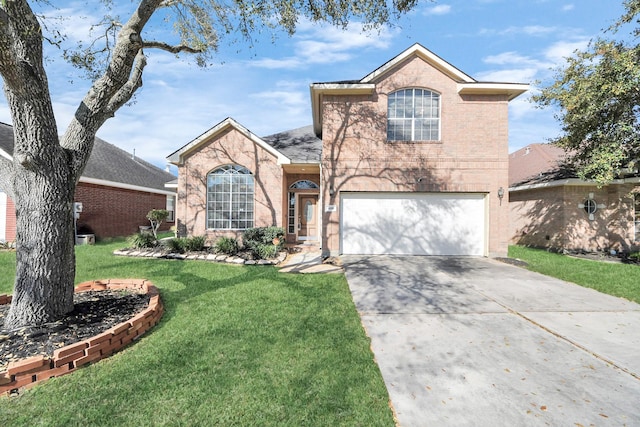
(308, 217)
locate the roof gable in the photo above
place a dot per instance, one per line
(466, 85)
(425, 54)
(178, 157)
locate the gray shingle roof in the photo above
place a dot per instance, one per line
(110, 163)
(301, 145)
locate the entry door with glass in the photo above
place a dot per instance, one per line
(308, 217)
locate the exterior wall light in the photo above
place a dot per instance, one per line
(500, 194)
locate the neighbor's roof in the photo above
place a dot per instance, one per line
(108, 165)
(301, 145)
(537, 163)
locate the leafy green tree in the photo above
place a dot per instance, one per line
(41, 178)
(598, 99)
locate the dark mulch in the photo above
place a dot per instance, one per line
(94, 313)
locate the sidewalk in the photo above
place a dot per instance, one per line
(308, 262)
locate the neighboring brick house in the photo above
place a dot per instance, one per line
(116, 190)
(551, 208)
(411, 159)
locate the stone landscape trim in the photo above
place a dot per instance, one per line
(27, 372)
(229, 259)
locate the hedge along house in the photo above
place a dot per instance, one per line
(116, 190)
(411, 159)
(551, 208)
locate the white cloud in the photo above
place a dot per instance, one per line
(515, 75)
(324, 44)
(529, 30)
(557, 52)
(568, 7)
(509, 58)
(441, 9)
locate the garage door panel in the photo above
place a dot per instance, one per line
(410, 224)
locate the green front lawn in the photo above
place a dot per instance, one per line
(237, 346)
(622, 280)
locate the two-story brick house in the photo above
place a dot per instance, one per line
(411, 159)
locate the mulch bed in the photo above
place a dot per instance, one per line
(94, 313)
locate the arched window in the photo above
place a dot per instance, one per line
(304, 184)
(230, 198)
(413, 115)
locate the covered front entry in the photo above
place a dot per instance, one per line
(413, 223)
(304, 222)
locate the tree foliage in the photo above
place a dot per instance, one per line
(597, 94)
(42, 175)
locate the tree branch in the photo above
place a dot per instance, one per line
(135, 82)
(170, 48)
(9, 68)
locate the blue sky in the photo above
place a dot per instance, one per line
(266, 87)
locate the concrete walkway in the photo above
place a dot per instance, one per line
(308, 262)
(475, 342)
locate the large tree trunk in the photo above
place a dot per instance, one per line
(45, 254)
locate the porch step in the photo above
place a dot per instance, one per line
(308, 246)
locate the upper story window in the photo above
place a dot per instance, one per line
(413, 115)
(230, 198)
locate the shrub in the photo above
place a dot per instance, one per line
(195, 243)
(177, 245)
(142, 240)
(260, 240)
(267, 251)
(226, 245)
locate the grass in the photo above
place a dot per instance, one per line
(237, 346)
(621, 280)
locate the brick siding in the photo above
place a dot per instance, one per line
(550, 217)
(112, 212)
(107, 211)
(230, 147)
(471, 155)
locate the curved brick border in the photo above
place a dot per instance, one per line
(28, 372)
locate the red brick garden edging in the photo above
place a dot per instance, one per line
(30, 371)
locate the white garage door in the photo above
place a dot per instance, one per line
(413, 223)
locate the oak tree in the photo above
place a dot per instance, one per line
(597, 95)
(41, 178)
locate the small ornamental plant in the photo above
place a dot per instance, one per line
(155, 217)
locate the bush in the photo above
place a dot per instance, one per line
(226, 245)
(177, 245)
(260, 240)
(195, 244)
(142, 240)
(267, 251)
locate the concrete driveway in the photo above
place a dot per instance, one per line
(476, 342)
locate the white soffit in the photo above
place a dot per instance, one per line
(512, 90)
